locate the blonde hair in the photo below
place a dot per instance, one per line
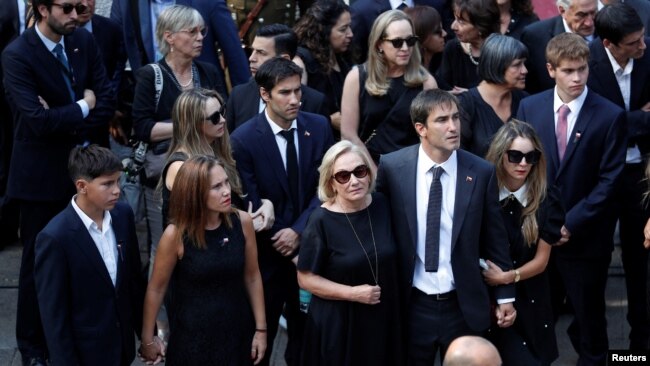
(325, 191)
(536, 179)
(173, 19)
(378, 83)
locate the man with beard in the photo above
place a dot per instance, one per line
(56, 85)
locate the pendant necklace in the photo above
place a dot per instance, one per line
(375, 271)
(469, 53)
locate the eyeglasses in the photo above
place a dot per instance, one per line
(67, 8)
(532, 157)
(215, 117)
(343, 176)
(399, 42)
(194, 32)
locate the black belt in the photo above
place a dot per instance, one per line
(437, 297)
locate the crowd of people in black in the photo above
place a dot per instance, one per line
(400, 180)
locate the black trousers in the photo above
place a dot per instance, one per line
(34, 216)
(432, 326)
(632, 219)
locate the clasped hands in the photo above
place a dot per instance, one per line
(152, 353)
(494, 276)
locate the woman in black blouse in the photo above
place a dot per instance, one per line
(515, 16)
(533, 216)
(474, 21)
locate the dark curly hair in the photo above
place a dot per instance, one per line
(524, 7)
(314, 29)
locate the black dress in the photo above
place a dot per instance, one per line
(342, 332)
(479, 121)
(456, 68)
(385, 121)
(212, 320)
(531, 340)
(166, 193)
(329, 84)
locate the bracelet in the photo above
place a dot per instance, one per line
(517, 275)
(148, 344)
(260, 330)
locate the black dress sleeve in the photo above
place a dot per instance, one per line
(467, 118)
(551, 216)
(313, 245)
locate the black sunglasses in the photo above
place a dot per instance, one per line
(399, 42)
(67, 8)
(343, 176)
(532, 157)
(215, 117)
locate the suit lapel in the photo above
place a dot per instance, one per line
(408, 170)
(465, 179)
(547, 130)
(603, 73)
(49, 63)
(579, 129)
(305, 148)
(251, 100)
(76, 63)
(272, 152)
(120, 232)
(87, 246)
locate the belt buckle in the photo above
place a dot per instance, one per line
(441, 297)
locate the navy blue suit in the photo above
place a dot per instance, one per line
(110, 40)
(477, 232)
(43, 139)
(633, 213)
(221, 30)
(87, 320)
(587, 178)
(263, 175)
(536, 36)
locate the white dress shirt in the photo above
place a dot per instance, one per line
(575, 106)
(104, 239)
(281, 141)
(519, 194)
(396, 3)
(443, 280)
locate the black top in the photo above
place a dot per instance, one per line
(385, 121)
(456, 68)
(479, 121)
(518, 22)
(343, 332)
(211, 317)
(329, 84)
(166, 193)
(533, 299)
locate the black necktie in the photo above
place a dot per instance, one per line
(432, 236)
(292, 168)
(402, 6)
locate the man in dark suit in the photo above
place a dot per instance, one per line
(583, 135)
(245, 102)
(641, 7)
(620, 72)
(364, 13)
(445, 296)
(56, 86)
(576, 16)
(278, 153)
(87, 271)
(134, 16)
(12, 24)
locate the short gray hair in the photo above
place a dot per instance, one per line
(325, 191)
(173, 19)
(497, 53)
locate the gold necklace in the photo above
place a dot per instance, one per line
(375, 271)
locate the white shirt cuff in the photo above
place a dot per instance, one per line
(505, 301)
(85, 110)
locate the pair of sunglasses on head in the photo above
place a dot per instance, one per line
(215, 117)
(516, 156)
(67, 8)
(343, 176)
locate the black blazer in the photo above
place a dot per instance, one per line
(588, 174)
(263, 175)
(603, 81)
(478, 230)
(535, 37)
(244, 102)
(108, 35)
(87, 320)
(43, 137)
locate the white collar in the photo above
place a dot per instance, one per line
(425, 163)
(519, 194)
(575, 105)
(274, 127)
(49, 44)
(615, 65)
(87, 221)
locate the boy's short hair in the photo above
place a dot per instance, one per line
(91, 161)
(566, 46)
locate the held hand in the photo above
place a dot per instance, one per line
(152, 353)
(646, 107)
(494, 275)
(506, 315)
(566, 235)
(336, 120)
(89, 97)
(457, 90)
(43, 102)
(646, 234)
(366, 294)
(257, 219)
(285, 241)
(267, 212)
(259, 347)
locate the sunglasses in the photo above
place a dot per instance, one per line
(532, 157)
(215, 117)
(343, 176)
(399, 42)
(67, 8)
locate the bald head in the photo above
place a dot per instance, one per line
(472, 351)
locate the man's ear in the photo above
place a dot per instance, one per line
(561, 10)
(266, 96)
(285, 55)
(551, 70)
(81, 184)
(607, 43)
(420, 128)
